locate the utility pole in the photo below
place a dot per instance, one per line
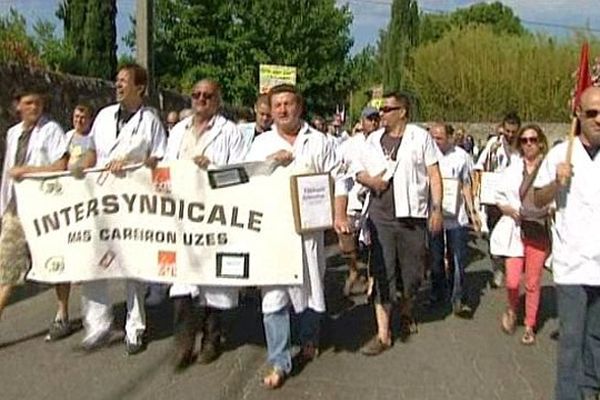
(143, 41)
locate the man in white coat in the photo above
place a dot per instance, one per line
(210, 140)
(293, 141)
(401, 169)
(35, 144)
(576, 253)
(123, 133)
(496, 156)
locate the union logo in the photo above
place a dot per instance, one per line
(161, 179)
(167, 261)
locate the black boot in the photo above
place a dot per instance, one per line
(185, 327)
(211, 336)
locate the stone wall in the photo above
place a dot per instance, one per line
(481, 130)
(64, 92)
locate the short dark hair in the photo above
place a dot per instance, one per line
(401, 98)
(86, 108)
(29, 91)
(286, 88)
(512, 118)
(140, 75)
(262, 99)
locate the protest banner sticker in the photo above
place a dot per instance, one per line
(273, 75)
(166, 225)
(312, 198)
(490, 182)
(450, 197)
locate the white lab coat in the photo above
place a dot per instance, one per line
(247, 132)
(222, 144)
(505, 239)
(47, 144)
(575, 248)
(410, 178)
(313, 152)
(141, 137)
(499, 148)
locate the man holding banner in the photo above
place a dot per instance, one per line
(36, 144)
(575, 187)
(123, 133)
(210, 140)
(293, 142)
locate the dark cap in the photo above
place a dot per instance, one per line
(369, 112)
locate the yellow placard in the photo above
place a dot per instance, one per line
(273, 75)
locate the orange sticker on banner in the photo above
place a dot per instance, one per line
(161, 179)
(167, 261)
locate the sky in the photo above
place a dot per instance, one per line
(372, 15)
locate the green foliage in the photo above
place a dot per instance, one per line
(475, 74)
(90, 32)
(397, 42)
(100, 39)
(499, 17)
(228, 39)
(56, 53)
(15, 44)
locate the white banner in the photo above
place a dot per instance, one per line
(165, 225)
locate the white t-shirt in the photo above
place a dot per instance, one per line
(456, 164)
(350, 152)
(576, 232)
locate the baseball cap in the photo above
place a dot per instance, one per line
(369, 112)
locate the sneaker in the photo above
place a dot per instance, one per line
(136, 347)
(498, 280)
(375, 347)
(461, 310)
(59, 329)
(408, 327)
(94, 343)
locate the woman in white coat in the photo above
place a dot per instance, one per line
(521, 234)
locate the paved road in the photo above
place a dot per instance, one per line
(450, 358)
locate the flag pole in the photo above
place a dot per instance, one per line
(584, 80)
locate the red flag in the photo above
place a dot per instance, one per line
(584, 79)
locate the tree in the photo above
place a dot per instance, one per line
(500, 18)
(228, 39)
(15, 44)
(397, 42)
(90, 29)
(100, 39)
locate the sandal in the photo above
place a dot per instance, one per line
(528, 336)
(274, 379)
(509, 322)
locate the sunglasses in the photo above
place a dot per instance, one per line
(590, 114)
(386, 109)
(530, 140)
(205, 95)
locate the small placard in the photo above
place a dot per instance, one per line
(233, 265)
(490, 182)
(451, 197)
(312, 202)
(220, 178)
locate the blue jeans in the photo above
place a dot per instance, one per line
(278, 335)
(452, 285)
(578, 361)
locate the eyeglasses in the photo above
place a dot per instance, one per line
(590, 114)
(530, 140)
(206, 95)
(386, 109)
